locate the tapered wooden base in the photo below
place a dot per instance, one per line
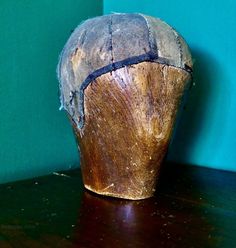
(129, 119)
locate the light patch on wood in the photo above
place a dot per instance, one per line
(76, 59)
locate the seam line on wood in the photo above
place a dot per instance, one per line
(148, 57)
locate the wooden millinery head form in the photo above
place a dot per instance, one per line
(122, 78)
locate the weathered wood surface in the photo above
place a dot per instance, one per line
(122, 77)
(130, 115)
(107, 43)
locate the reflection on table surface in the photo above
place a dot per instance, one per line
(193, 207)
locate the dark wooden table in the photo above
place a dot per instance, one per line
(193, 207)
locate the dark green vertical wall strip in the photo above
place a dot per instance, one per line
(35, 137)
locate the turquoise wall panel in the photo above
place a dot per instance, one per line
(206, 134)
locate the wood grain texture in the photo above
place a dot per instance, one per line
(130, 115)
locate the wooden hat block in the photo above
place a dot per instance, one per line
(122, 78)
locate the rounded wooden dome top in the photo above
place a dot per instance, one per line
(109, 42)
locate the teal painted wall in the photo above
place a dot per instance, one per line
(35, 138)
(206, 134)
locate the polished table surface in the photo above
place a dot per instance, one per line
(193, 207)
